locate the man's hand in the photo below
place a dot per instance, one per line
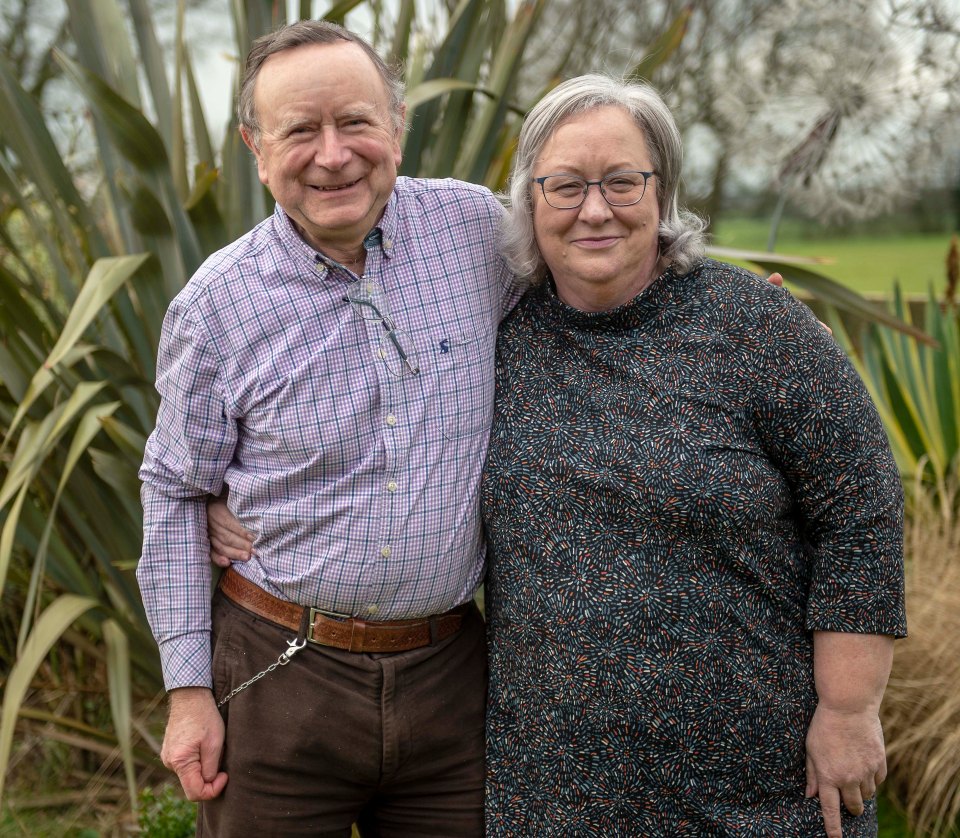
(777, 279)
(845, 761)
(193, 743)
(229, 541)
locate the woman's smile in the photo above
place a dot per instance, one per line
(596, 242)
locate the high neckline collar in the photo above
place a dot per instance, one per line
(629, 315)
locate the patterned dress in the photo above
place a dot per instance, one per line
(677, 493)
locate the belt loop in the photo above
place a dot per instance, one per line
(434, 631)
(306, 630)
(358, 629)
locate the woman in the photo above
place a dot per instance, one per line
(693, 518)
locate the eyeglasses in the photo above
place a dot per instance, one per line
(369, 301)
(619, 189)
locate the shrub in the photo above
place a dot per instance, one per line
(921, 709)
(166, 814)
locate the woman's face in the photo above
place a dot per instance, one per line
(600, 256)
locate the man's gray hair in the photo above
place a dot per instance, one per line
(300, 34)
(682, 237)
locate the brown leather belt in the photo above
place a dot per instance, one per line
(348, 633)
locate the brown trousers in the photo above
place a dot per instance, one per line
(392, 742)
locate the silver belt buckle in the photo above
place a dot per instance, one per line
(333, 614)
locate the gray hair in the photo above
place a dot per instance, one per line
(682, 238)
(300, 34)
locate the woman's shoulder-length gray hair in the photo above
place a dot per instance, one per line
(682, 238)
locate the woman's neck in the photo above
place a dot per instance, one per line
(592, 295)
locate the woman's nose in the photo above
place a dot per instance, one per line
(594, 207)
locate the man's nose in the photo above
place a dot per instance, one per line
(331, 152)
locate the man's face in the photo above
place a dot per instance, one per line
(328, 148)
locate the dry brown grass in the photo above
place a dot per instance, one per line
(921, 709)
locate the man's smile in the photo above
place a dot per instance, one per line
(337, 187)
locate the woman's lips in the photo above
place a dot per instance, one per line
(594, 243)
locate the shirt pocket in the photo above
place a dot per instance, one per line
(464, 365)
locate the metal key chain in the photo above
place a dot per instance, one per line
(293, 646)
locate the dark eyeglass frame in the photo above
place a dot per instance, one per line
(598, 183)
(389, 327)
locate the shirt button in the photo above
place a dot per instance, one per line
(385, 552)
(388, 243)
(392, 486)
(372, 609)
(391, 420)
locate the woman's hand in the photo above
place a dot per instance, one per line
(845, 755)
(229, 541)
(845, 761)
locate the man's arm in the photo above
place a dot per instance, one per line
(174, 577)
(185, 460)
(845, 753)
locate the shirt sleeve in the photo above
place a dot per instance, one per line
(820, 427)
(185, 460)
(511, 287)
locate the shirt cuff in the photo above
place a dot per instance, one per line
(186, 661)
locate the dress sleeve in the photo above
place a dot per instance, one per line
(185, 460)
(821, 429)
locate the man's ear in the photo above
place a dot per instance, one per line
(248, 138)
(398, 135)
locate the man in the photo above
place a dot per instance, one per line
(349, 420)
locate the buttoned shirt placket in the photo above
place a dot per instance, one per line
(392, 435)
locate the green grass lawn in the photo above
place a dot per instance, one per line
(868, 264)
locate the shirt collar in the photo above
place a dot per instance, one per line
(381, 236)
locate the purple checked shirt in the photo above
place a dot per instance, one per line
(362, 486)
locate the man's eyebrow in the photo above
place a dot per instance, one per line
(289, 125)
(357, 110)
